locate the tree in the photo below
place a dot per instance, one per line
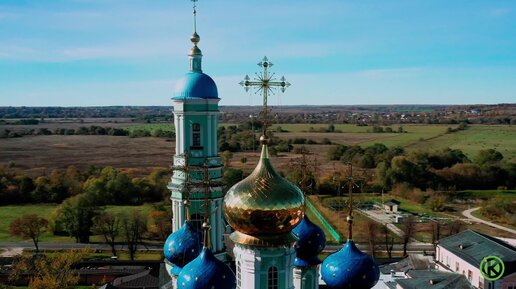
(489, 156)
(455, 227)
(75, 216)
(372, 235)
(233, 176)
(107, 225)
(437, 203)
(162, 225)
(49, 272)
(436, 231)
(134, 226)
(409, 229)
(29, 226)
(389, 240)
(226, 158)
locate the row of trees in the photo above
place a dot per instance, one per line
(80, 219)
(379, 235)
(447, 170)
(368, 157)
(380, 114)
(104, 185)
(91, 130)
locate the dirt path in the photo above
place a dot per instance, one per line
(467, 214)
(11, 252)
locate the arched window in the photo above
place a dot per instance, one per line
(197, 220)
(273, 278)
(308, 281)
(196, 135)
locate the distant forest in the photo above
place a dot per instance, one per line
(354, 114)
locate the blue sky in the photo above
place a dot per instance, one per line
(131, 52)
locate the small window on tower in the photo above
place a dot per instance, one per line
(196, 135)
(239, 275)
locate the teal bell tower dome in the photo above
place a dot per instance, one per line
(196, 160)
(195, 84)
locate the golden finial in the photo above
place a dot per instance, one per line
(206, 228)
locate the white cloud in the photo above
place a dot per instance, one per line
(132, 50)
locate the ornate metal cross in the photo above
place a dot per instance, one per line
(266, 84)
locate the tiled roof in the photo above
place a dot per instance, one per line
(107, 286)
(412, 262)
(472, 247)
(139, 280)
(432, 279)
(392, 202)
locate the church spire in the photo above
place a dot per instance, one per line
(195, 54)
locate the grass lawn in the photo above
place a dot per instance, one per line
(315, 220)
(414, 134)
(417, 136)
(10, 213)
(150, 127)
(338, 221)
(122, 255)
(405, 204)
(479, 215)
(477, 137)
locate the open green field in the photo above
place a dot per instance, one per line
(106, 254)
(363, 135)
(152, 127)
(10, 213)
(426, 137)
(476, 138)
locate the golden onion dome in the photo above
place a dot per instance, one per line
(264, 204)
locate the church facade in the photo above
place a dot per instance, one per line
(276, 246)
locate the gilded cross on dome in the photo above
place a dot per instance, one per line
(266, 84)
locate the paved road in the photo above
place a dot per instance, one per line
(419, 247)
(411, 248)
(467, 214)
(52, 246)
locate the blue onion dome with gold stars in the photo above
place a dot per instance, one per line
(264, 207)
(206, 271)
(350, 268)
(182, 246)
(310, 243)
